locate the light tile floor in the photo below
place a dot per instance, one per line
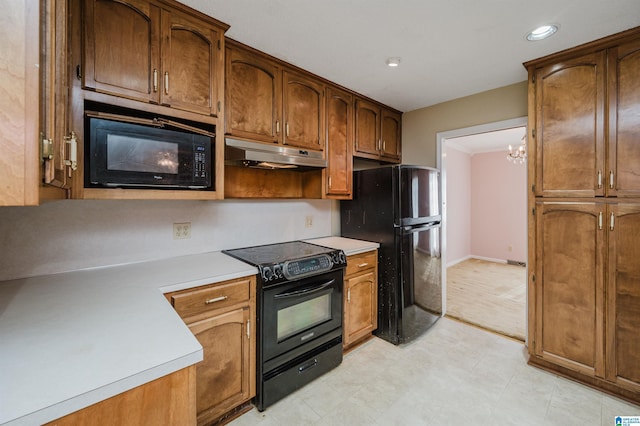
(455, 374)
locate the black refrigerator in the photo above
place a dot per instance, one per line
(399, 207)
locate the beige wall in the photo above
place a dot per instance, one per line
(419, 127)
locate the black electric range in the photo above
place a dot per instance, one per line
(299, 314)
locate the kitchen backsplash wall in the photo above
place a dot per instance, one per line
(67, 235)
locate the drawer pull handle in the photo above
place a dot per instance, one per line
(216, 299)
(362, 265)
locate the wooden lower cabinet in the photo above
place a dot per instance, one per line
(168, 400)
(623, 297)
(222, 318)
(570, 287)
(360, 298)
(586, 298)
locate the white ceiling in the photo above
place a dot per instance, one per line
(449, 48)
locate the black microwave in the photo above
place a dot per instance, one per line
(147, 154)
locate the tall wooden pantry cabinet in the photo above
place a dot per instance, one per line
(584, 227)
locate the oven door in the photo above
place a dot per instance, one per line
(300, 314)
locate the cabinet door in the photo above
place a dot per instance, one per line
(223, 378)
(361, 307)
(339, 169)
(121, 48)
(391, 130)
(253, 96)
(19, 104)
(189, 64)
(54, 98)
(569, 285)
(303, 111)
(367, 129)
(623, 177)
(570, 127)
(623, 296)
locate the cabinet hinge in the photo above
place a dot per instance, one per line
(533, 211)
(72, 161)
(533, 188)
(46, 147)
(533, 78)
(78, 72)
(219, 45)
(219, 106)
(533, 133)
(533, 278)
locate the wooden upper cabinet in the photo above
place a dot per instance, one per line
(569, 286)
(378, 132)
(253, 96)
(570, 127)
(268, 102)
(623, 175)
(190, 55)
(140, 50)
(391, 128)
(367, 140)
(339, 171)
(623, 296)
(122, 48)
(19, 104)
(303, 111)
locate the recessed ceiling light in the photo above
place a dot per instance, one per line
(393, 62)
(542, 32)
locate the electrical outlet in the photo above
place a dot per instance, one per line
(182, 231)
(308, 221)
(510, 248)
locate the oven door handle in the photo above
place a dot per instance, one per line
(307, 290)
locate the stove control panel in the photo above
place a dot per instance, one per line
(293, 269)
(304, 267)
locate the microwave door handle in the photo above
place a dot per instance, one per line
(182, 126)
(123, 118)
(304, 291)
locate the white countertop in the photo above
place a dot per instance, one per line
(348, 245)
(70, 340)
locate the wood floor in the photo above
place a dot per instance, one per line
(488, 294)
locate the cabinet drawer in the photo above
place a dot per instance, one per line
(213, 297)
(361, 262)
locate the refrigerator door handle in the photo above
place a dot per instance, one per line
(410, 229)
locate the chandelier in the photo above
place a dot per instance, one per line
(519, 155)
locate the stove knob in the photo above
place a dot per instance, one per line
(267, 273)
(277, 272)
(343, 258)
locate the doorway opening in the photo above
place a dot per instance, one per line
(484, 237)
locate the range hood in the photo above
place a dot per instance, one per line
(264, 156)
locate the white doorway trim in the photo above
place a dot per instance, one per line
(441, 155)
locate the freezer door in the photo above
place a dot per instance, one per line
(419, 195)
